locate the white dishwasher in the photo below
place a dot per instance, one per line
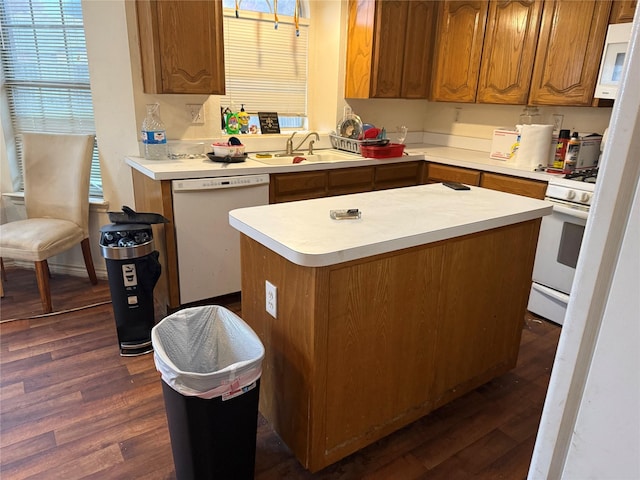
(208, 247)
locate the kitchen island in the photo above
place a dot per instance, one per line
(382, 319)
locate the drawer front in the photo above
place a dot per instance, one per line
(518, 186)
(397, 175)
(350, 180)
(444, 173)
(287, 187)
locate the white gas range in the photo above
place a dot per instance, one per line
(559, 244)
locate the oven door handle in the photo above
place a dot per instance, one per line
(550, 292)
(572, 212)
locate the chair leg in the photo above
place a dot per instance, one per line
(88, 261)
(42, 276)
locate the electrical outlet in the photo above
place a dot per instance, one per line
(458, 111)
(271, 298)
(557, 121)
(196, 113)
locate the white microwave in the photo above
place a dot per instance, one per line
(612, 63)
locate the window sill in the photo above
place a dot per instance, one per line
(95, 204)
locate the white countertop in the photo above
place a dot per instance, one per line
(474, 159)
(303, 232)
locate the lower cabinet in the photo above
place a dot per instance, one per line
(350, 180)
(288, 187)
(436, 172)
(516, 185)
(398, 175)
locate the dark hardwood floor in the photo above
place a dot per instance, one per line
(71, 407)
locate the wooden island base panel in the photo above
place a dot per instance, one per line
(364, 347)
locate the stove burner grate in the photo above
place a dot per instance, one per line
(587, 176)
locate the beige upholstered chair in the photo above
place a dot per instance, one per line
(56, 196)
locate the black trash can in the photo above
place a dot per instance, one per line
(211, 363)
(133, 270)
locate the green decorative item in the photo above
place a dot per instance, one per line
(233, 125)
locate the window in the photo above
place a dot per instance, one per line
(45, 72)
(266, 67)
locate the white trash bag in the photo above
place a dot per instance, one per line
(207, 352)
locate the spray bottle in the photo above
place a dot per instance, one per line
(573, 149)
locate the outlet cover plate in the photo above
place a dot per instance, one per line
(196, 113)
(271, 299)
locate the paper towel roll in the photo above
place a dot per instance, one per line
(534, 147)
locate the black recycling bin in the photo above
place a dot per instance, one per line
(133, 270)
(211, 363)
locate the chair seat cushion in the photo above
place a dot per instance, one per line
(37, 239)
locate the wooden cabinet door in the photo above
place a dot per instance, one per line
(389, 47)
(418, 50)
(569, 51)
(622, 11)
(181, 46)
(397, 175)
(445, 173)
(288, 187)
(509, 51)
(359, 48)
(350, 180)
(458, 50)
(516, 185)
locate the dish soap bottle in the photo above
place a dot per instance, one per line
(154, 135)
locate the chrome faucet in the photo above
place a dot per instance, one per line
(290, 149)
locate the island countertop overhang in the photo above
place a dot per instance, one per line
(303, 232)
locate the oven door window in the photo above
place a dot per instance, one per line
(570, 242)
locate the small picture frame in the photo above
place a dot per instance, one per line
(269, 122)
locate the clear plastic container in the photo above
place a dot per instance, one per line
(179, 149)
(530, 116)
(154, 135)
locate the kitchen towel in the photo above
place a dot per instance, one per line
(534, 147)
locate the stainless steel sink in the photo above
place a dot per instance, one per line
(320, 156)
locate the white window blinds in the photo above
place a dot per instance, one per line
(45, 71)
(266, 68)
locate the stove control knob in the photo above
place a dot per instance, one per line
(571, 194)
(585, 197)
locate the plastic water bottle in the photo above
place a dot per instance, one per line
(154, 135)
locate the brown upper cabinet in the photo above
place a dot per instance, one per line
(509, 51)
(569, 50)
(622, 11)
(519, 51)
(458, 50)
(181, 46)
(389, 48)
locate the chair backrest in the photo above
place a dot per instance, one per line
(57, 168)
